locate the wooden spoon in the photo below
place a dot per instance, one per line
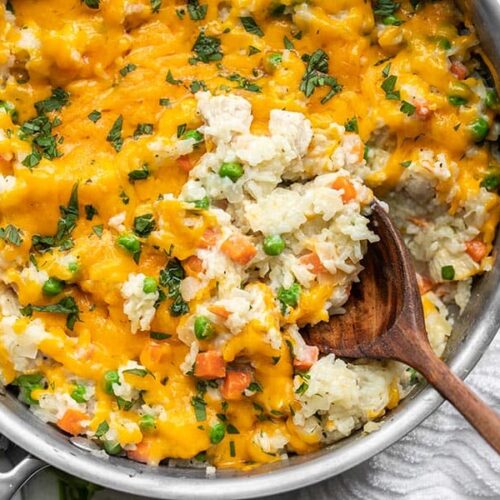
(384, 319)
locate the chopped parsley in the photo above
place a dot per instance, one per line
(39, 129)
(155, 6)
(90, 212)
(139, 372)
(197, 85)
(124, 197)
(181, 130)
(288, 43)
(384, 8)
(316, 75)
(171, 278)
(407, 108)
(139, 174)
(143, 129)
(170, 79)
(231, 429)
(128, 69)
(94, 116)
(351, 125)
(405, 164)
(164, 101)
(255, 387)
(388, 86)
(114, 136)
(244, 83)
(159, 335)
(206, 48)
(11, 234)
(304, 385)
(144, 225)
(97, 230)
(251, 26)
(253, 50)
(65, 225)
(196, 11)
(199, 405)
(66, 306)
(232, 449)
(102, 429)
(55, 102)
(91, 4)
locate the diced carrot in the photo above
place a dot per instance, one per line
(219, 311)
(342, 183)
(313, 263)
(239, 248)
(185, 163)
(193, 264)
(71, 422)
(209, 238)
(210, 365)
(156, 353)
(424, 284)
(422, 109)
(307, 358)
(141, 452)
(235, 383)
(476, 249)
(459, 70)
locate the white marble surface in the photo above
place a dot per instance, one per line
(443, 459)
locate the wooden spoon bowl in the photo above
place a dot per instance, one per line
(384, 319)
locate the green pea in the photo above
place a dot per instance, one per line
(443, 43)
(110, 377)
(112, 447)
(491, 99)
(147, 422)
(491, 182)
(232, 170)
(456, 100)
(217, 433)
(392, 21)
(73, 267)
(79, 394)
(129, 242)
(448, 272)
(289, 297)
(203, 328)
(150, 285)
(53, 286)
(273, 245)
(479, 129)
(202, 203)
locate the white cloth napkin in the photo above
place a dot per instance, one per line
(443, 459)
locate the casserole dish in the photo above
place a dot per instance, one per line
(479, 322)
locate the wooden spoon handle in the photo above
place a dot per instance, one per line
(483, 418)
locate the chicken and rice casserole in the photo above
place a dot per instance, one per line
(185, 185)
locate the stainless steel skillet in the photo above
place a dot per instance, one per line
(471, 336)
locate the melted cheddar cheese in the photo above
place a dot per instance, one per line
(97, 99)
